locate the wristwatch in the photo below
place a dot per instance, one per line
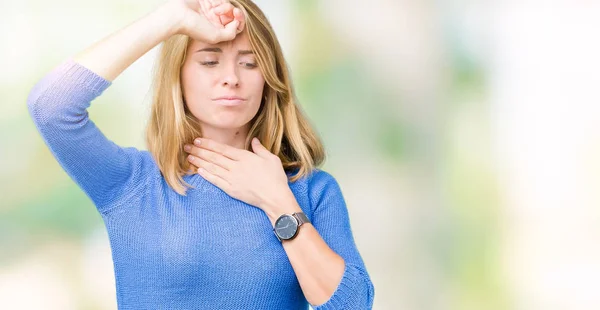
(287, 225)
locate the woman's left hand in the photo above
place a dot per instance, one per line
(255, 178)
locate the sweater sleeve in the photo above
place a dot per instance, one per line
(58, 106)
(331, 219)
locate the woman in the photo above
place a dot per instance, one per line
(259, 226)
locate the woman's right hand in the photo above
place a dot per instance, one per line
(210, 21)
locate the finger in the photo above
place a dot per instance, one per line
(207, 11)
(215, 158)
(215, 3)
(229, 32)
(225, 19)
(203, 7)
(224, 9)
(192, 169)
(208, 166)
(216, 180)
(238, 15)
(223, 149)
(215, 19)
(225, 13)
(259, 149)
(212, 157)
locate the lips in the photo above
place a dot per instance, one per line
(229, 100)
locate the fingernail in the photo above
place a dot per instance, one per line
(197, 142)
(187, 148)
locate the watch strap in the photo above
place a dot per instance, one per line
(301, 217)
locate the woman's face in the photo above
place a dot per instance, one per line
(222, 84)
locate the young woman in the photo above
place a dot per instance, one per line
(259, 226)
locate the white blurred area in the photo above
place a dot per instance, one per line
(542, 63)
(545, 82)
(536, 127)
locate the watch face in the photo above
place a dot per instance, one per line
(286, 226)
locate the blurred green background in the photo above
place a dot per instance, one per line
(464, 135)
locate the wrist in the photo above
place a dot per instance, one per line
(283, 203)
(172, 15)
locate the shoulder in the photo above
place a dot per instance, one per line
(322, 188)
(148, 163)
(141, 158)
(315, 179)
(320, 178)
(141, 164)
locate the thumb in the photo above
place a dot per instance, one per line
(259, 149)
(229, 32)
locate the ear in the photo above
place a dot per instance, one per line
(259, 149)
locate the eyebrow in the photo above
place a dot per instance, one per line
(219, 50)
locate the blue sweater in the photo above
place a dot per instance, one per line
(205, 250)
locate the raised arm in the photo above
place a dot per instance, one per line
(112, 55)
(58, 102)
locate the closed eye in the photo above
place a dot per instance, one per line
(248, 65)
(209, 63)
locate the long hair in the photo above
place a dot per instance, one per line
(279, 124)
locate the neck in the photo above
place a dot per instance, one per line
(235, 137)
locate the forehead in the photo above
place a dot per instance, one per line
(240, 42)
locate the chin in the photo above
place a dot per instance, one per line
(225, 121)
(227, 124)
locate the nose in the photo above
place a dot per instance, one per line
(230, 76)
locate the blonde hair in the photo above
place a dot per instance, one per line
(279, 124)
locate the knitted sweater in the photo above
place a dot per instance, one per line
(205, 250)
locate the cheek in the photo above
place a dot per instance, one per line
(195, 81)
(255, 83)
(196, 89)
